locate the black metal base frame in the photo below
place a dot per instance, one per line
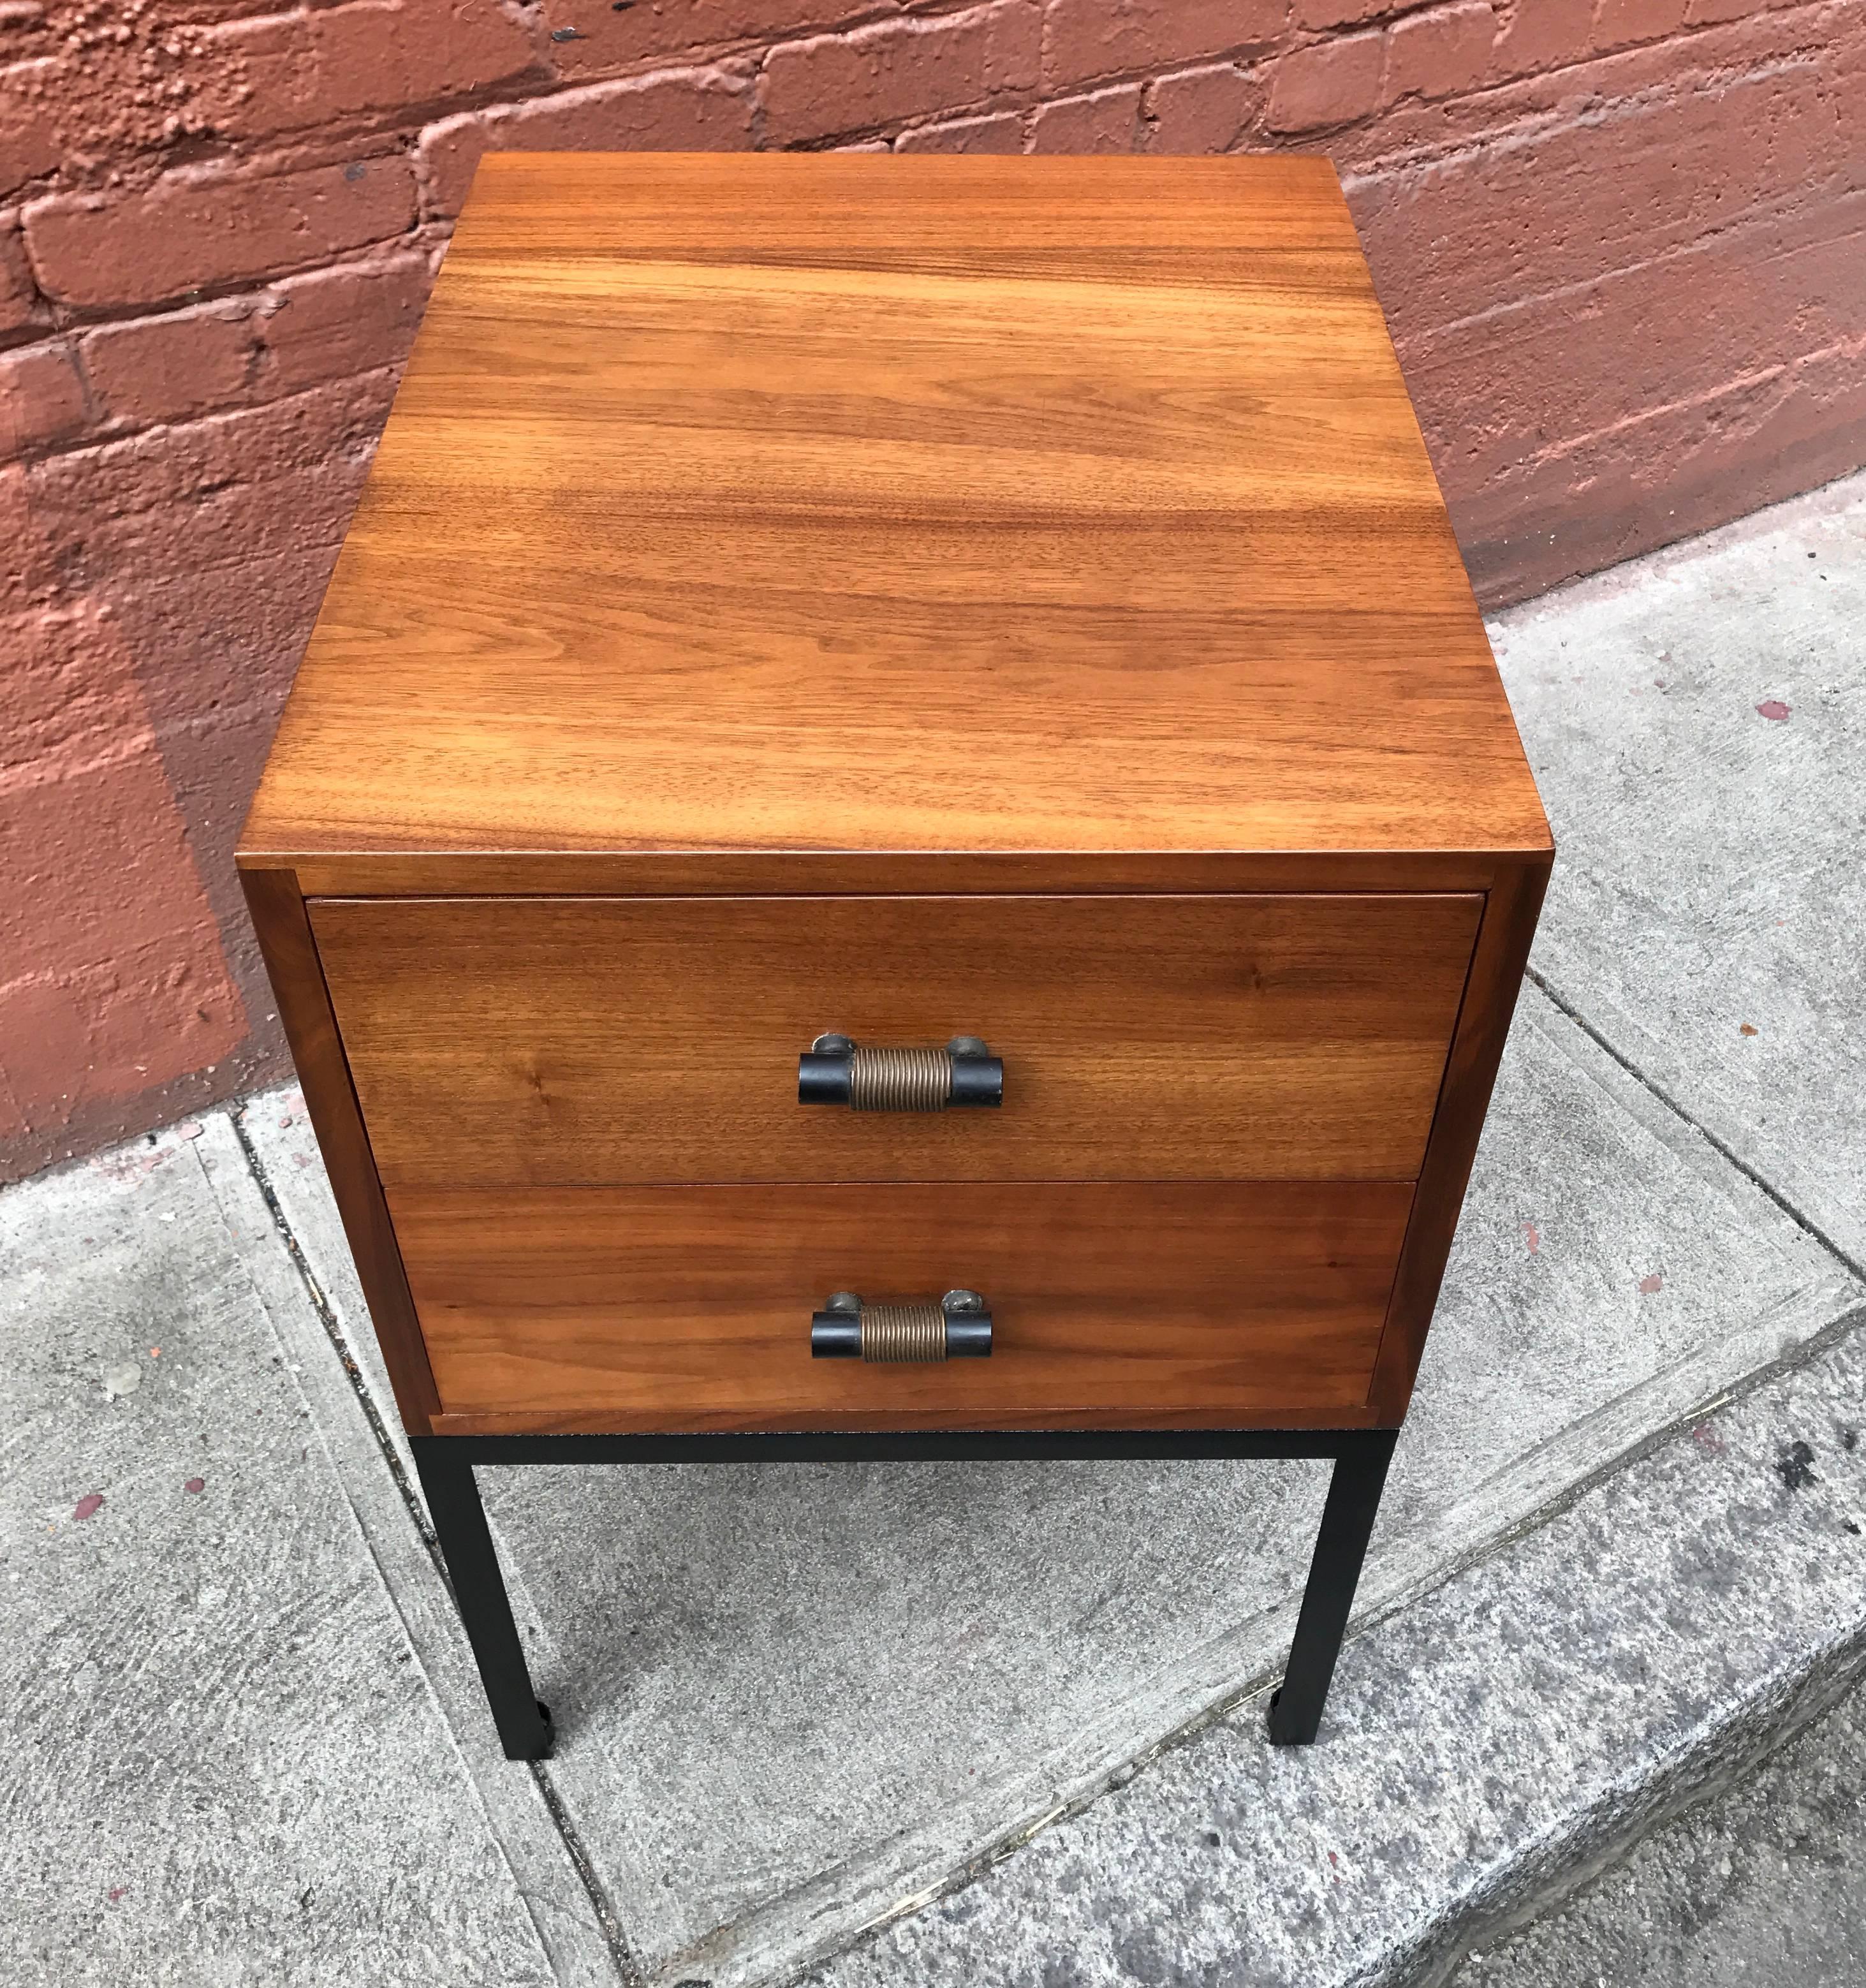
(1360, 1457)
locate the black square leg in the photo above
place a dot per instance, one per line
(479, 1592)
(1340, 1546)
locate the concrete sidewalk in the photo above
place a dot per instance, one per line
(795, 1703)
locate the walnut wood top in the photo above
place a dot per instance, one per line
(841, 502)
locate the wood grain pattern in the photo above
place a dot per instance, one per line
(833, 503)
(689, 1307)
(304, 1007)
(1502, 953)
(532, 1043)
(913, 596)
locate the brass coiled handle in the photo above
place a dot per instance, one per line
(836, 1070)
(958, 1327)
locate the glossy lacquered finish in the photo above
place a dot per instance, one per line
(850, 509)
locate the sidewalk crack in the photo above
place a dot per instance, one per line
(621, 1957)
(1804, 1222)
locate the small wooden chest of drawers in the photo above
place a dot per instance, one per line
(906, 600)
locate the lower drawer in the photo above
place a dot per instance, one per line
(1114, 1303)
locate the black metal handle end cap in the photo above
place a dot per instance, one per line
(836, 1335)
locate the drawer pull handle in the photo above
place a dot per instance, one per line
(836, 1070)
(958, 1327)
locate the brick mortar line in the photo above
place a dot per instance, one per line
(1536, 123)
(1248, 59)
(72, 321)
(621, 1954)
(1593, 112)
(85, 445)
(757, 52)
(1781, 373)
(1760, 217)
(1804, 1222)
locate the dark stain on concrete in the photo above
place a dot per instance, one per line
(1795, 1466)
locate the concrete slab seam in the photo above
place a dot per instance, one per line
(334, 1332)
(326, 1437)
(1807, 1225)
(616, 1939)
(1364, 1623)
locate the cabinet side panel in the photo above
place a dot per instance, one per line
(297, 976)
(1510, 910)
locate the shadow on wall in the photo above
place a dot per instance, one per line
(115, 983)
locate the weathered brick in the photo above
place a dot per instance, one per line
(1440, 53)
(131, 512)
(1346, 13)
(1083, 39)
(42, 399)
(1510, 107)
(62, 710)
(1543, 34)
(1331, 82)
(207, 539)
(1665, 331)
(200, 229)
(1105, 121)
(897, 70)
(21, 305)
(150, 997)
(259, 345)
(599, 40)
(1677, 470)
(30, 579)
(335, 322)
(1199, 110)
(1530, 213)
(1003, 132)
(168, 368)
(30, 92)
(1620, 23)
(672, 110)
(285, 72)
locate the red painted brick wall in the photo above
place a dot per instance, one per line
(1620, 241)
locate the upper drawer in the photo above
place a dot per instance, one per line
(552, 1042)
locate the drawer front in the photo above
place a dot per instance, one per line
(540, 1043)
(670, 1308)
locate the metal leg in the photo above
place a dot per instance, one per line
(479, 1592)
(1340, 1546)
